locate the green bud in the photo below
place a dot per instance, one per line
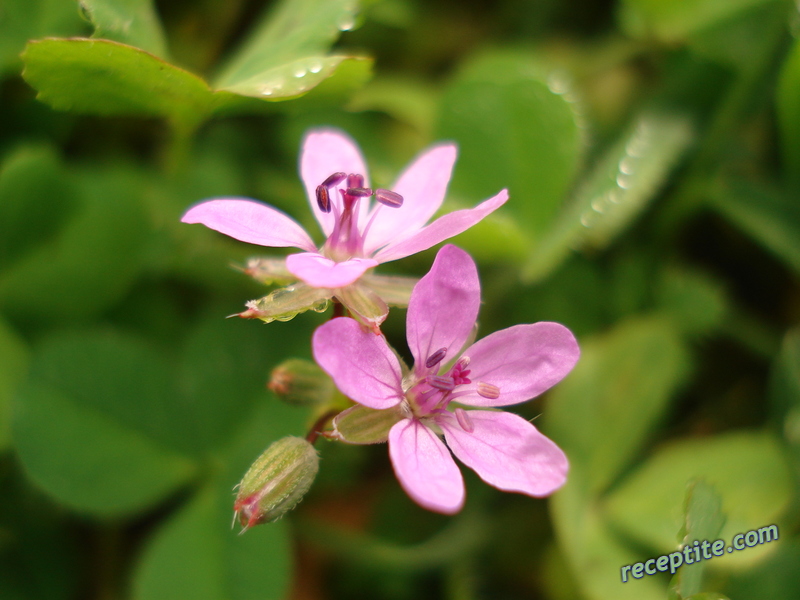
(276, 482)
(361, 425)
(301, 382)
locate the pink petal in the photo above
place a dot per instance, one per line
(424, 467)
(522, 361)
(319, 271)
(507, 452)
(441, 229)
(325, 152)
(361, 364)
(443, 306)
(250, 221)
(423, 186)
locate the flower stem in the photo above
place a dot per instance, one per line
(314, 433)
(338, 309)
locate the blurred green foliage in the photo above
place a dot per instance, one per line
(652, 151)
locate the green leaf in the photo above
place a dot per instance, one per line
(224, 369)
(784, 390)
(132, 22)
(626, 178)
(13, 370)
(748, 469)
(285, 54)
(785, 376)
(777, 578)
(407, 100)
(769, 216)
(92, 260)
(695, 301)
(197, 555)
(788, 108)
(287, 80)
(513, 132)
(703, 521)
(108, 78)
(594, 553)
(88, 459)
(118, 376)
(745, 40)
(673, 20)
(37, 196)
(35, 532)
(22, 20)
(100, 425)
(601, 414)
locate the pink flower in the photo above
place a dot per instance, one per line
(506, 367)
(359, 234)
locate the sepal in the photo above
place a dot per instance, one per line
(364, 305)
(286, 303)
(361, 425)
(269, 271)
(395, 290)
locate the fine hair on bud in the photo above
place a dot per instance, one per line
(276, 482)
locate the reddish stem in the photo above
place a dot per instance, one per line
(315, 430)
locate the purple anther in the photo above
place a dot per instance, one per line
(389, 198)
(488, 390)
(354, 180)
(359, 192)
(445, 384)
(435, 358)
(464, 420)
(334, 179)
(323, 198)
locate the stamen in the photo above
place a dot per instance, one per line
(359, 192)
(444, 384)
(334, 179)
(463, 362)
(435, 358)
(389, 198)
(488, 390)
(323, 198)
(354, 180)
(375, 212)
(464, 420)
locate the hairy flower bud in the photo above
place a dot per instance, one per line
(276, 482)
(301, 382)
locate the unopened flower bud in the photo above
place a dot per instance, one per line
(276, 482)
(301, 382)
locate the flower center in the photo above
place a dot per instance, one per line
(347, 238)
(433, 393)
